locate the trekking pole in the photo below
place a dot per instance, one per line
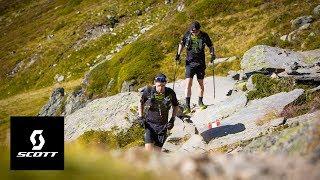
(174, 75)
(214, 84)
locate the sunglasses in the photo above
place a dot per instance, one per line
(160, 79)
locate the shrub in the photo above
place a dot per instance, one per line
(114, 138)
(266, 86)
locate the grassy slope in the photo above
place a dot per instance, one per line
(234, 27)
(26, 30)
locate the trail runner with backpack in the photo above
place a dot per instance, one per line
(195, 40)
(154, 107)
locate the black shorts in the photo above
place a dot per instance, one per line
(151, 136)
(198, 70)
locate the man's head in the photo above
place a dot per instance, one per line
(195, 28)
(160, 82)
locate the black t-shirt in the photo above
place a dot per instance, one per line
(195, 48)
(158, 104)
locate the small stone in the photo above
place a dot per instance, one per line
(180, 7)
(138, 12)
(274, 76)
(168, 2)
(304, 27)
(300, 21)
(59, 78)
(316, 10)
(312, 34)
(284, 37)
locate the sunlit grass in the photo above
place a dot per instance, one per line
(80, 163)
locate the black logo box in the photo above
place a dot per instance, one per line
(21, 128)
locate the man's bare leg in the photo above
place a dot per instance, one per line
(148, 147)
(157, 149)
(200, 81)
(188, 87)
(200, 101)
(188, 95)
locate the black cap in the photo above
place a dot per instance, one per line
(195, 25)
(160, 78)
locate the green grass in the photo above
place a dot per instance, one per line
(234, 28)
(80, 163)
(266, 86)
(114, 139)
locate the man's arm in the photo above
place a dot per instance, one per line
(180, 48)
(143, 100)
(174, 111)
(140, 109)
(211, 51)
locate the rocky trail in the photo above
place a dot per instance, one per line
(247, 125)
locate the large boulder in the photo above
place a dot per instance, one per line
(54, 104)
(219, 110)
(265, 108)
(128, 86)
(222, 86)
(195, 144)
(75, 100)
(102, 114)
(179, 134)
(263, 57)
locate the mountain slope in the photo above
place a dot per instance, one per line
(44, 39)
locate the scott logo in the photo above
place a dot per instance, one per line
(33, 140)
(38, 147)
(36, 143)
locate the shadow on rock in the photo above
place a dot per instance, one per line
(222, 131)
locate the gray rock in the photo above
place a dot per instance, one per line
(220, 110)
(303, 73)
(179, 134)
(128, 86)
(50, 36)
(251, 113)
(59, 78)
(300, 21)
(284, 37)
(93, 33)
(312, 34)
(75, 101)
(304, 27)
(168, 1)
(102, 114)
(138, 12)
(250, 85)
(223, 166)
(16, 68)
(315, 89)
(54, 104)
(228, 59)
(195, 144)
(234, 75)
(262, 57)
(180, 7)
(316, 10)
(222, 85)
(293, 35)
